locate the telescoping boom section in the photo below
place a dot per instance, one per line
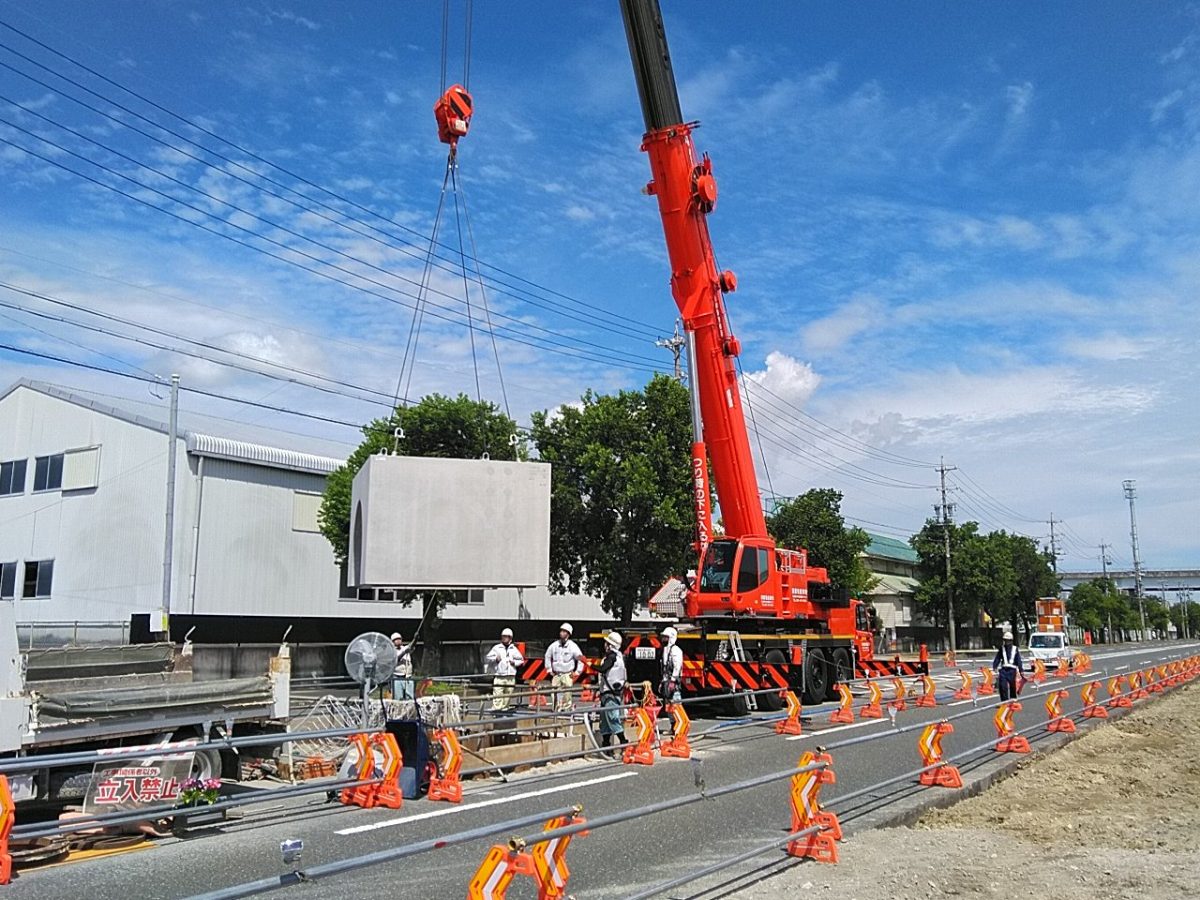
(744, 574)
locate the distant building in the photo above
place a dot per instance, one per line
(82, 524)
(894, 563)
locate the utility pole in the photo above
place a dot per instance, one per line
(1130, 495)
(1185, 597)
(1105, 559)
(1053, 546)
(169, 536)
(675, 343)
(945, 513)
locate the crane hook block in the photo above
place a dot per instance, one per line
(453, 113)
(728, 282)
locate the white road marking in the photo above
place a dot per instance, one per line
(825, 731)
(450, 810)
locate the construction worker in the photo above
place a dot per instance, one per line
(564, 662)
(402, 676)
(505, 659)
(672, 667)
(612, 692)
(1007, 665)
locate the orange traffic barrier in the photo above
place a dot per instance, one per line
(1137, 686)
(790, 725)
(8, 818)
(1156, 685)
(1056, 721)
(360, 795)
(1117, 697)
(1092, 709)
(964, 692)
(387, 792)
(844, 712)
(937, 772)
(678, 746)
(928, 693)
(1009, 742)
(923, 656)
(496, 872)
(874, 707)
(1064, 668)
(550, 858)
(989, 682)
(950, 660)
(446, 784)
(806, 812)
(642, 751)
(1039, 672)
(898, 702)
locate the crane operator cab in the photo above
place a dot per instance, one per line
(754, 577)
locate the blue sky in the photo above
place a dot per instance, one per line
(961, 229)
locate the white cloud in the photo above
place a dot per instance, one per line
(835, 331)
(786, 378)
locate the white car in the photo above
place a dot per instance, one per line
(1049, 647)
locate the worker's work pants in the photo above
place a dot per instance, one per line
(402, 688)
(502, 691)
(562, 683)
(1008, 684)
(612, 717)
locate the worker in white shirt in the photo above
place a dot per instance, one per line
(504, 659)
(564, 662)
(402, 677)
(672, 667)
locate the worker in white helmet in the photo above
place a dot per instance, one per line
(564, 662)
(504, 659)
(402, 676)
(612, 692)
(1007, 665)
(672, 667)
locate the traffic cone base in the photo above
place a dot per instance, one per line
(678, 746)
(844, 714)
(790, 725)
(873, 709)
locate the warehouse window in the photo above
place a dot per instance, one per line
(305, 507)
(38, 576)
(81, 469)
(12, 477)
(8, 581)
(47, 472)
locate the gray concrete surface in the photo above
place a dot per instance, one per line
(611, 862)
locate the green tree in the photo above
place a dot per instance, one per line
(452, 427)
(813, 521)
(1157, 617)
(1035, 577)
(966, 578)
(620, 509)
(1099, 607)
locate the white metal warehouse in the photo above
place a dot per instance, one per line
(82, 522)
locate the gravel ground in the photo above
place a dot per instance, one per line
(1114, 814)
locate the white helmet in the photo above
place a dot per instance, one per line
(396, 636)
(613, 640)
(1008, 636)
(507, 632)
(670, 633)
(566, 626)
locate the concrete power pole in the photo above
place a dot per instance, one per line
(1130, 495)
(169, 537)
(1053, 546)
(1104, 559)
(945, 513)
(675, 343)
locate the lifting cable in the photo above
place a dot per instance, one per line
(453, 113)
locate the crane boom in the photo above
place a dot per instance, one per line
(744, 574)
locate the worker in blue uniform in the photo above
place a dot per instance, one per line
(1007, 666)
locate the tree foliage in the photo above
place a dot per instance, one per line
(621, 511)
(813, 521)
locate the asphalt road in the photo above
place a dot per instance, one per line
(616, 861)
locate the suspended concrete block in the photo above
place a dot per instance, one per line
(423, 522)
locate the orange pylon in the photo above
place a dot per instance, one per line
(950, 660)
(790, 725)
(937, 772)
(8, 818)
(1056, 721)
(844, 712)
(1117, 697)
(1137, 686)
(1156, 685)
(499, 867)
(928, 693)
(446, 785)
(898, 702)
(678, 746)
(807, 812)
(989, 682)
(642, 752)
(387, 792)
(1092, 709)
(874, 708)
(550, 858)
(361, 795)
(1064, 668)
(1009, 742)
(1039, 672)
(964, 692)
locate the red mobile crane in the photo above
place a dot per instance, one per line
(804, 635)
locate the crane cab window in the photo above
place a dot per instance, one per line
(753, 568)
(717, 574)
